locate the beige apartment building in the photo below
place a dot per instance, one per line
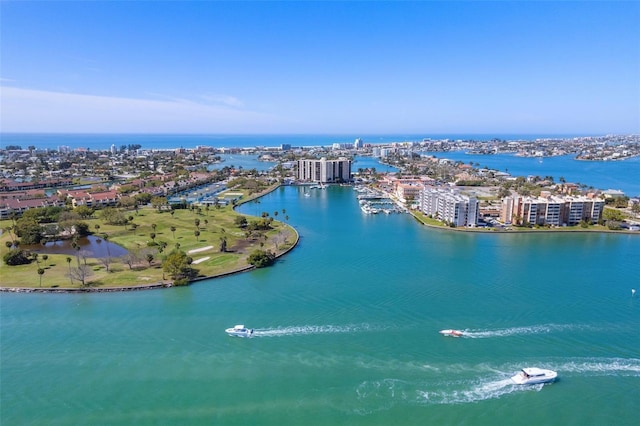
(551, 210)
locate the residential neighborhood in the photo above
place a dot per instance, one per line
(458, 194)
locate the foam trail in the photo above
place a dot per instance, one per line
(603, 366)
(475, 392)
(307, 329)
(535, 329)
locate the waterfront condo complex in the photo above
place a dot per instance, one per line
(551, 210)
(324, 171)
(449, 206)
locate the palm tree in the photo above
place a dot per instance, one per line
(197, 234)
(153, 236)
(153, 226)
(45, 257)
(149, 258)
(69, 263)
(197, 222)
(173, 232)
(40, 272)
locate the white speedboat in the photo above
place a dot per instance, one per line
(534, 376)
(451, 333)
(240, 331)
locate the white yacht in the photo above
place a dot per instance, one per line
(534, 376)
(240, 331)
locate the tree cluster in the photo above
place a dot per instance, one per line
(114, 216)
(16, 257)
(178, 265)
(260, 258)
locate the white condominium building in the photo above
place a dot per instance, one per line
(551, 210)
(450, 206)
(324, 171)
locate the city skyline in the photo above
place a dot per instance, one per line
(320, 67)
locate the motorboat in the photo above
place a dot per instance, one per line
(451, 333)
(240, 331)
(534, 376)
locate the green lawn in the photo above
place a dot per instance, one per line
(214, 224)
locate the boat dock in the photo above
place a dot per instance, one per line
(373, 202)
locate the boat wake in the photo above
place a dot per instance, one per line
(392, 391)
(465, 384)
(308, 329)
(474, 392)
(535, 329)
(602, 366)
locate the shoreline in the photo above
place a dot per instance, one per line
(523, 231)
(169, 284)
(160, 285)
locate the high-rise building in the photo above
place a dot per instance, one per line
(450, 206)
(324, 171)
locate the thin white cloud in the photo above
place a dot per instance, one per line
(206, 99)
(231, 101)
(26, 110)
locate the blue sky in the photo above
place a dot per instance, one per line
(568, 67)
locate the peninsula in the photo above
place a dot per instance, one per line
(174, 216)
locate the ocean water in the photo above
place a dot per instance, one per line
(171, 141)
(620, 175)
(346, 333)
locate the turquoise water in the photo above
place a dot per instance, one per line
(621, 175)
(346, 333)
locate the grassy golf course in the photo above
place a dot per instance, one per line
(212, 238)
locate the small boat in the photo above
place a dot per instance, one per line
(534, 376)
(452, 333)
(240, 331)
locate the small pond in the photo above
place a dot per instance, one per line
(95, 246)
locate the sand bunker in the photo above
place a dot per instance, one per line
(200, 249)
